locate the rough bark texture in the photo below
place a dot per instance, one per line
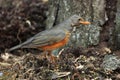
(117, 30)
(91, 10)
(108, 29)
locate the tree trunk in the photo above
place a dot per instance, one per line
(117, 27)
(91, 10)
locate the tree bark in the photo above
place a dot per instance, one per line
(117, 27)
(91, 10)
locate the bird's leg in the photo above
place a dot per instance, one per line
(44, 54)
(52, 57)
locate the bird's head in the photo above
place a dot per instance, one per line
(77, 20)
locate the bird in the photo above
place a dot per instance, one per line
(56, 37)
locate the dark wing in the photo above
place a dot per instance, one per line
(44, 38)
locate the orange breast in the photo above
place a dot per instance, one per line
(57, 44)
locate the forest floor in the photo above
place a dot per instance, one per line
(93, 63)
(21, 19)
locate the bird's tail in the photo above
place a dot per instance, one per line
(15, 47)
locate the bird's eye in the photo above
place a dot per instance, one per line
(80, 19)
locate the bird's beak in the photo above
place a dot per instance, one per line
(84, 22)
(81, 21)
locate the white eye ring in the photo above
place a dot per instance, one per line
(81, 19)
